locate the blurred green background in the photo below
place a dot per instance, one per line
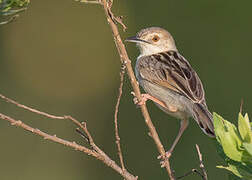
(59, 57)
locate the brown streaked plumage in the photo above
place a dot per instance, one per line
(167, 77)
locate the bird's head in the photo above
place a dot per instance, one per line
(153, 40)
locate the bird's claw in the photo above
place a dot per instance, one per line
(163, 158)
(137, 102)
(167, 155)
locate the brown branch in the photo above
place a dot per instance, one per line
(95, 151)
(201, 163)
(31, 109)
(120, 90)
(125, 59)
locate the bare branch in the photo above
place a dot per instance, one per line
(201, 163)
(95, 151)
(125, 59)
(120, 90)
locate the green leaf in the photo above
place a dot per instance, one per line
(232, 169)
(244, 128)
(228, 137)
(238, 171)
(234, 147)
(248, 147)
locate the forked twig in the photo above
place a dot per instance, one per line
(95, 151)
(201, 163)
(203, 173)
(116, 19)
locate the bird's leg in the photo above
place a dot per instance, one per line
(145, 97)
(183, 125)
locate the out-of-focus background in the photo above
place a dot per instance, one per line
(59, 57)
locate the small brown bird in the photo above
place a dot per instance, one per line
(170, 81)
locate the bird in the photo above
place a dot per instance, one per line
(170, 81)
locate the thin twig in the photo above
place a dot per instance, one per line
(43, 113)
(83, 135)
(31, 109)
(201, 163)
(203, 173)
(89, 2)
(9, 20)
(120, 90)
(81, 125)
(125, 59)
(116, 19)
(189, 173)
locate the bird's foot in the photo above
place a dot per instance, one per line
(145, 97)
(163, 158)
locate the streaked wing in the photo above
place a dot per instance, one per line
(171, 70)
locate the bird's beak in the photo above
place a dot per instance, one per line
(135, 39)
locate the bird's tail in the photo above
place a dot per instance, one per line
(204, 119)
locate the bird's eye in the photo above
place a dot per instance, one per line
(155, 38)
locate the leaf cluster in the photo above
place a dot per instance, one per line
(235, 145)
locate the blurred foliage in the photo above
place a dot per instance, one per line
(11, 8)
(235, 145)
